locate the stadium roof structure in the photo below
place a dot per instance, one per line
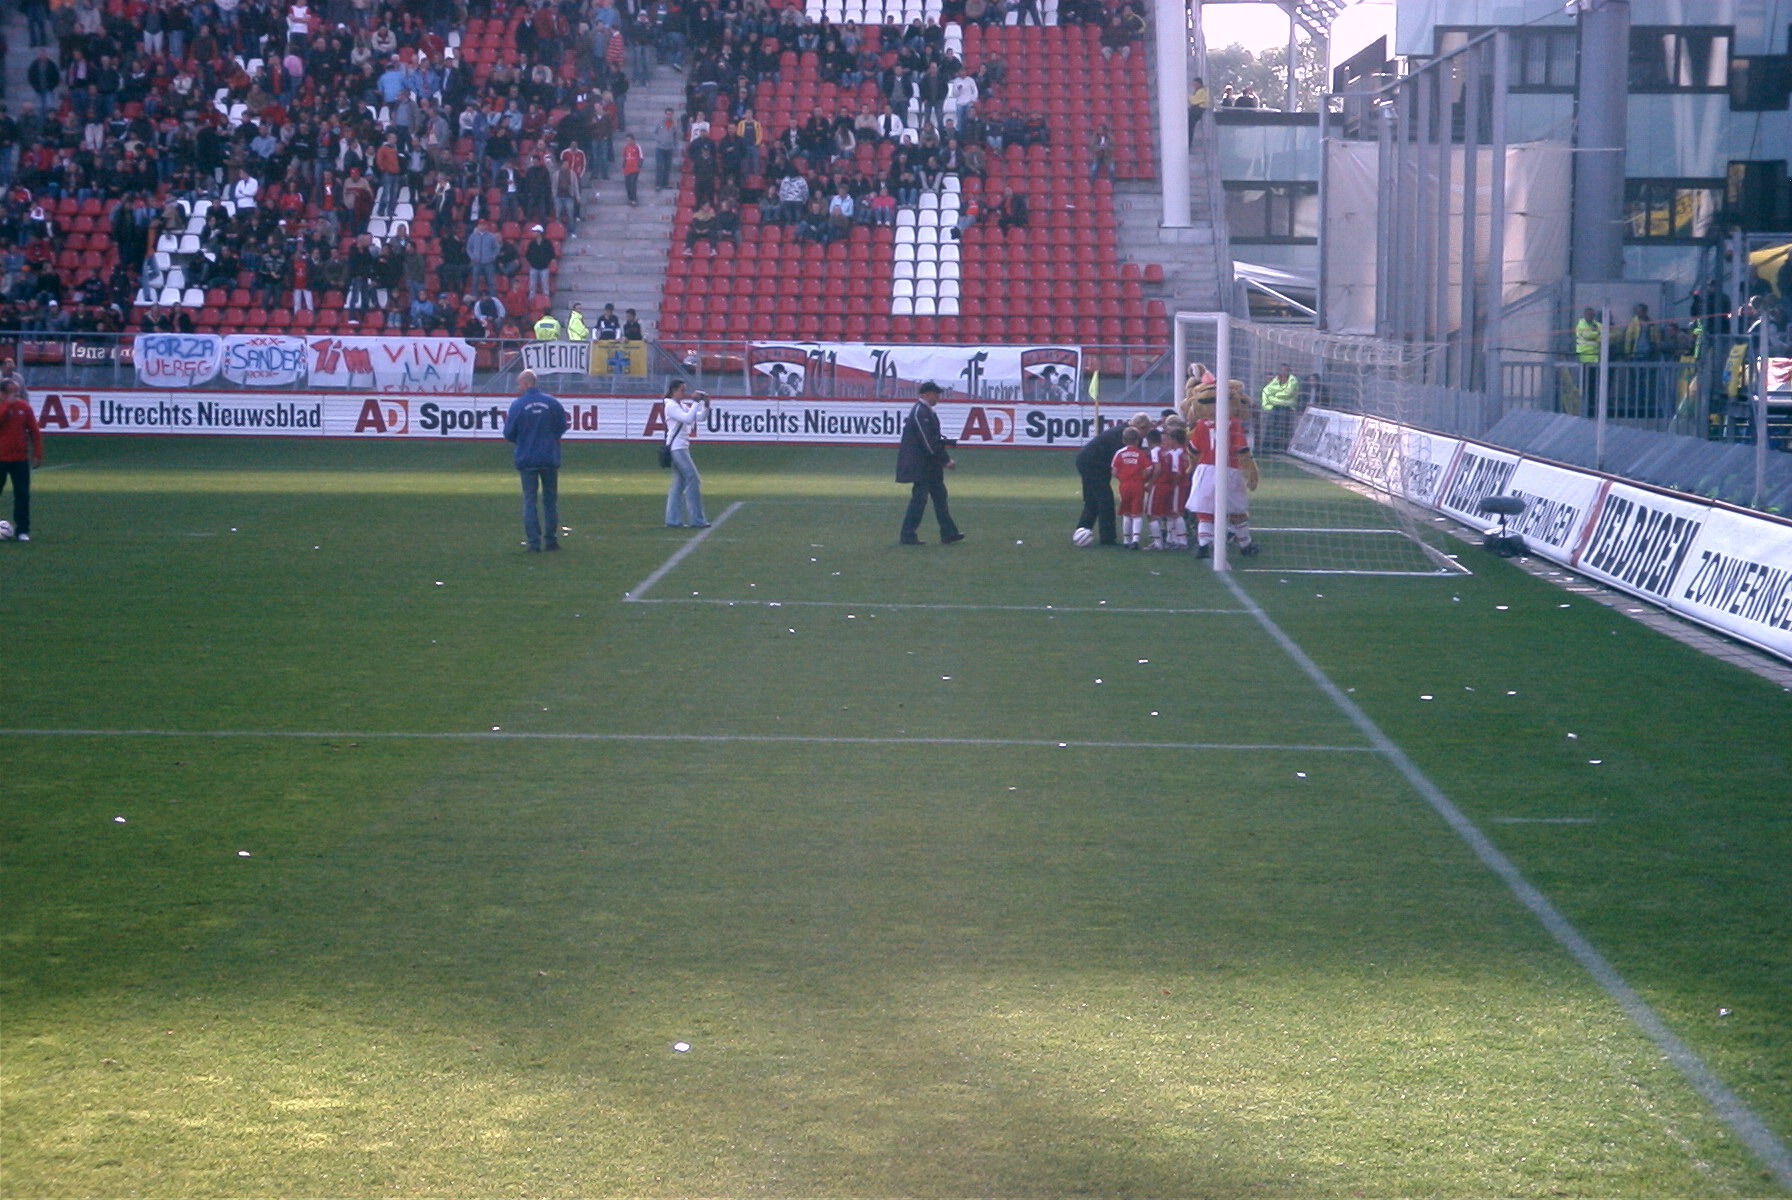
(1314, 16)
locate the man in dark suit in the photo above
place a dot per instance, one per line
(1094, 462)
(923, 460)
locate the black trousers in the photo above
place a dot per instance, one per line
(19, 472)
(931, 488)
(1098, 506)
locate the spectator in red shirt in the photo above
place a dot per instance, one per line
(21, 449)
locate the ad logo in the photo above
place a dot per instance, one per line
(986, 423)
(384, 416)
(65, 411)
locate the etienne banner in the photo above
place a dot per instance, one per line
(1039, 374)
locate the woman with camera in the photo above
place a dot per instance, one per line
(684, 502)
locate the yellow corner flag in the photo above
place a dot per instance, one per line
(1095, 394)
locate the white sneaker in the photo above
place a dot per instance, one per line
(24, 537)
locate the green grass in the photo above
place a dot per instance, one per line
(457, 966)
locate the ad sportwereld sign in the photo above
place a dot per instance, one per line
(610, 418)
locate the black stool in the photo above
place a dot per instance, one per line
(1506, 545)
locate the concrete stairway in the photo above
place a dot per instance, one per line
(1197, 260)
(618, 254)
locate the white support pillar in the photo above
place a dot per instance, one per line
(1171, 19)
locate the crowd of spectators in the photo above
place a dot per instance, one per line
(306, 126)
(346, 150)
(937, 116)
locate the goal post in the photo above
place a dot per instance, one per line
(1289, 389)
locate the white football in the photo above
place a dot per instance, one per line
(5, 531)
(1083, 537)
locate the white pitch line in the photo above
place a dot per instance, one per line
(498, 735)
(1749, 1128)
(1544, 820)
(871, 604)
(678, 555)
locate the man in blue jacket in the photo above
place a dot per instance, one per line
(536, 423)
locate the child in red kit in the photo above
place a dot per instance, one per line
(1132, 471)
(1173, 469)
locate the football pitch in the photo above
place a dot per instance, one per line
(351, 851)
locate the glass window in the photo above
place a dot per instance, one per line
(1544, 59)
(1671, 209)
(1679, 59)
(1273, 212)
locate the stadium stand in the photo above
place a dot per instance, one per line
(1055, 277)
(279, 169)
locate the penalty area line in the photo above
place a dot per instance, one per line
(498, 735)
(678, 555)
(871, 604)
(1729, 1107)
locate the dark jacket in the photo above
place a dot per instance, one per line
(1096, 458)
(535, 423)
(923, 454)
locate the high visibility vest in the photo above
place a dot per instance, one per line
(575, 328)
(1281, 393)
(547, 329)
(1586, 340)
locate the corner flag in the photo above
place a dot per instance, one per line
(1095, 393)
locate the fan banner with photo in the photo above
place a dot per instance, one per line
(1038, 374)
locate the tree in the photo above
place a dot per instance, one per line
(1267, 73)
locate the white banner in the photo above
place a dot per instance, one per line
(399, 364)
(1326, 437)
(611, 418)
(1639, 539)
(557, 358)
(1037, 374)
(1481, 471)
(263, 359)
(1406, 462)
(1558, 503)
(1739, 578)
(178, 360)
(371, 364)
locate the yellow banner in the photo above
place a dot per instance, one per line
(619, 358)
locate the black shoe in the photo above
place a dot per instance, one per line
(1250, 549)
(1205, 550)
(701, 525)
(534, 549)
(949, 538)
(910, 541)
(551, 544)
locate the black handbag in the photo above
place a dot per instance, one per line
(666, 455)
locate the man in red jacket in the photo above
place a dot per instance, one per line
(21, 448)
(631, 167)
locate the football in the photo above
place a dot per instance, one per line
(5, 531)
(1083, 537)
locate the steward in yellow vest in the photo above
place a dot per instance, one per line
(1586, 336)
(576, 330)
(547, 329)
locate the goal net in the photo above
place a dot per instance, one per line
(1325, 418)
